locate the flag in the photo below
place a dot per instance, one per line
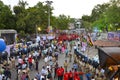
(89, 40)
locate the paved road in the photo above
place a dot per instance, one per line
(61, 60)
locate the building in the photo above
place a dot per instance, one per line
(8, 35)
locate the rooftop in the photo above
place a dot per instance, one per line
(106, 43)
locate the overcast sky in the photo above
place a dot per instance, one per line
(73, 8)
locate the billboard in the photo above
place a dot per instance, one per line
(113, 36)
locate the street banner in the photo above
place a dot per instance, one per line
(44, 37)
(50, 37)
(114, 36)
(110, 36)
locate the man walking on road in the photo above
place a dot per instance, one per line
(70, 56)
(65, 65)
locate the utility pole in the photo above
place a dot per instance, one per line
(36, 30)
(49, 5)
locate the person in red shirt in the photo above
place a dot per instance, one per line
(30, 62)
(59, 73)
(62, 69)
(66, 76)
(76, 75)
(70, 75)
(75, 72)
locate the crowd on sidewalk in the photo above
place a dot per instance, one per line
(49, 51)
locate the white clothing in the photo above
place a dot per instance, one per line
(37, 39)
(46, 59)
(48, 67)
(43, 71)
(20, 60)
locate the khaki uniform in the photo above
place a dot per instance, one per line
(65, 66)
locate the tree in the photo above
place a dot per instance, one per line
(62, 22)
(98, 10)
(86, 22)
(7, 20)
(113, 14)
(20, 14)
(86, 18)
(22, 3)
(25, 19)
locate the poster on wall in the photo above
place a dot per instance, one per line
(116, 37)
(110, 36)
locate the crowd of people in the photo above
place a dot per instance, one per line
(27, 59)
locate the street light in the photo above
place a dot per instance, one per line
(39, 29)
(49, 4)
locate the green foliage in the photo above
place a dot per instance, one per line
(62, 22)
(6, 17)
(26, 19)
(98, 10)
(104, 16)
(113, 16)
(22, 34)
(86, 22)
(99, 24)
(86, 18)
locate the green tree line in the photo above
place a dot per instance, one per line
(105, 17)
(25, 20)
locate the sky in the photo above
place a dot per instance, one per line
(73, 8)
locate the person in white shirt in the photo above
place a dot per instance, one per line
(48, 67)
(43, 72)
(46, 60)
(75, 47)
(38, 39)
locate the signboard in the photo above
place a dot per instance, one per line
(110, 36)
(114, 36)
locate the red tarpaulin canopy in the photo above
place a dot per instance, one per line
(67, 37)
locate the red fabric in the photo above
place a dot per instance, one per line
(67, 37)
(81, 73)
(59, 72)
(30, 60)
(23, 62)
(76, 78)
(62, 69)
(66, 76)
(76, 73)
(64, 46)
(70, 74)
